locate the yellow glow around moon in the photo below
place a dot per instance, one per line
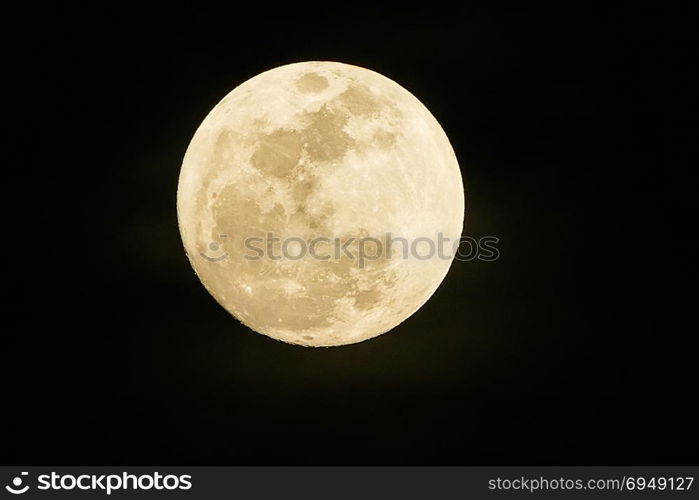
(318, 150)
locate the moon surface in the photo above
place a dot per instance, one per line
(325, 152)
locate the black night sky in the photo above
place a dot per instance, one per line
(576, 347)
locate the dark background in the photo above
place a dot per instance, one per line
(576, 347)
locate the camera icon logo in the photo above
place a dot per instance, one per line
(215, 251)
(16, 489)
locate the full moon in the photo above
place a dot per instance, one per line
(320, 203)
